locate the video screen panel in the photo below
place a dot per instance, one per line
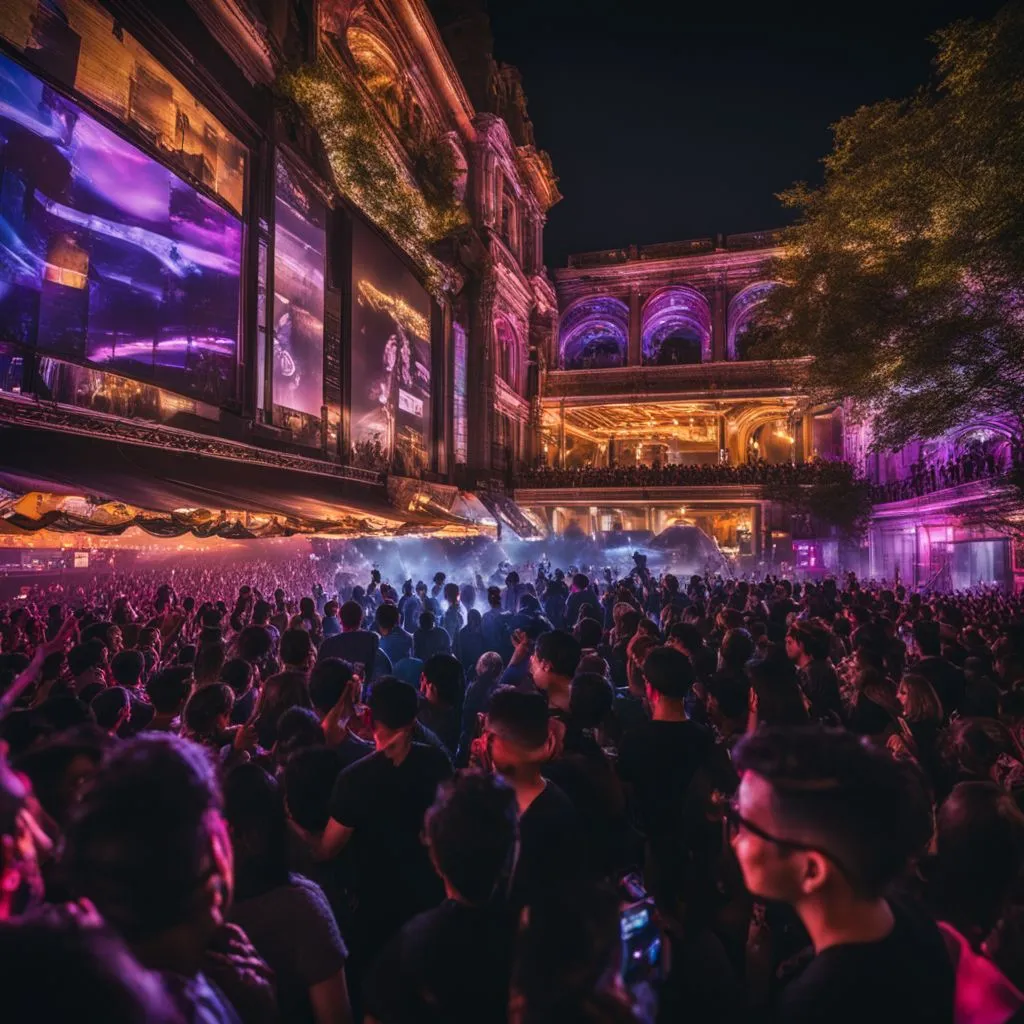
(390, 357)
(300, 241)
(106, 256)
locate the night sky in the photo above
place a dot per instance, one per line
(673, 121)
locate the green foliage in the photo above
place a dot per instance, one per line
(904, 276)
(415, 213)
(838, 498)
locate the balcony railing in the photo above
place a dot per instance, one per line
(697, 378)
(673, 250)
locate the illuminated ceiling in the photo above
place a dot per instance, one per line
(692, 422)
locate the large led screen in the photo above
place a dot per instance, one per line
(299, 244)
(106, 256)
(390, 356)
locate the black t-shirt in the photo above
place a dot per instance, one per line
(385, 803)
(905, 977)
(448, 964)
(659, 761)
(550, 846)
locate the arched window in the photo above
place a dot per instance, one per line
(676, 327)
(594, 334)
(742, 312)
(508, 359)
(509, 220)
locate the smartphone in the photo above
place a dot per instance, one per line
(641, 943)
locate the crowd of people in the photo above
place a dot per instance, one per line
(927, 477)
(755, 471)
(234, 794)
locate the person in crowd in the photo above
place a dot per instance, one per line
(516, 743)
(430, 639)
(167, 691)
(330, 624)
(442, 689)
(240, 676)
(279, 693)
(496, 625)
(149, 848)
(377, 807)
(945, 677)
(394, 641)
(580, 595)
(469, 644)
(454, 614)
(807, 645)
(489, 668)
(826, 824)
(353, 644)
(286, 916)
(555, 658)
(452, 963)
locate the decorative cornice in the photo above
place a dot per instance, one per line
(231, 23)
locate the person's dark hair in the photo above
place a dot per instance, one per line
(521, 717)
(444, 672)
(590, 700)
(393, 703)
(205, 707)
(561, 649)
(567, 950)
(83, 657)
(451, 592)
(308, 780)
(926, 635)
(237, 673)
(812, 637)
(65, 711)
(737, 649)
(127, 668)
(296, 647)
(109, 705)
(261, 612)
(474, 620)
(186, 655)
(779, 697)
(351, 615)
(97, 631)
(387, 616)
(280, 692)
(688, 635)
(471, 831)
(327, 682)
(47, 765)
(732, 694)
(209, 661)
(297, 729)
(168, 689)
(868, 811)
(979, 850)
(254, 644)
(581, 581)
(99, 979)
(138, 843)
(494, 597)
(254, 808)
(589, 631)
(668, 672)
(426, 621)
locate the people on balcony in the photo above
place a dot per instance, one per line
(757, 471)
(925, 478)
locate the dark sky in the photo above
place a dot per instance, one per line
(671, 121)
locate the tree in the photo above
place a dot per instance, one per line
(904, 276)
(837, 498)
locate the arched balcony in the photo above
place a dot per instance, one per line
(742, 311)
(676, 328)
(594, 334)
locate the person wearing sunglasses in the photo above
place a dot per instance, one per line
(826, 824)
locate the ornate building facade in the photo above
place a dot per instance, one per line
(285, 233)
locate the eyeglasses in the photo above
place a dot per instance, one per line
(734, 821)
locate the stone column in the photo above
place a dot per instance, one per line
(719, 327)
(480, 396)
(807, 435)
(561, 435)
(634, 355)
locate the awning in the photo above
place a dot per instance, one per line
(509, 514)
(168, 492)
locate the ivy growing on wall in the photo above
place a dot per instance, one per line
(415, 213)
